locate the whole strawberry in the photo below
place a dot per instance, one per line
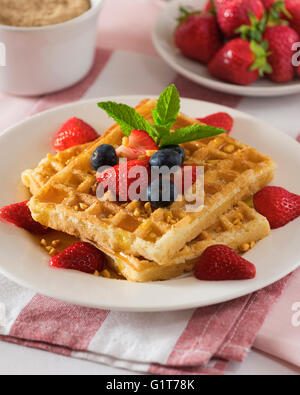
(118, 179)
(240, 62)
(281, 39)
(74, 132)
(232, 14)
(284, 12)
(293, 7)
(198, 36)
(20, 215)
(219, 120)
(221, 263)
(209, 7)
(79, 256)
(278, 205)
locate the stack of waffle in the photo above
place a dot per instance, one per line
(143, 243)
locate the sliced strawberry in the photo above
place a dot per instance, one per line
(74, 132)
(20, 215)
(221, 263)
(278, 205)
(118, 180)
(139, 142)
(219, 120)
(79, 256)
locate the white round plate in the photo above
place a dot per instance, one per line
(163, 38)
(23, 261)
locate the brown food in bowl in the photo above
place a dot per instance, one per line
(37, 13)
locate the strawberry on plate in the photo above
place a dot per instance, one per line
(138, 143)
(79, 256)
(74, 132)
(219, 120)
(221, 263)
(198, 35)
(209, 6)
(232, 14)
(278, 205)
(20, 215)
(293, 8)
(281, 39)
(117, 179)
(240, 62)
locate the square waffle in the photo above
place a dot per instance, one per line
(68, 202)
(35, 179)
(240, 226)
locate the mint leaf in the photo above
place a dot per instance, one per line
(191, 133)
(167, 108)
(128, 119)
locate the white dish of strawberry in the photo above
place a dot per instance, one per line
(252, 53)
(26, 263)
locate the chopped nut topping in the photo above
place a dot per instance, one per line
(97, 274)
(125, 141)
(52, 251)
(137, 212)
(83, 206)
(245, 247)
(105, 273)
(76, 208)
(252, 244)
(56, 243)
(44, 243)
(148, 208)
(229, 148)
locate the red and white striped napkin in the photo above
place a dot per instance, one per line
(200, 341)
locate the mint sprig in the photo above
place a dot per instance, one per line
(190, 133)
(128, 118)
(164, 116)
(167, 108)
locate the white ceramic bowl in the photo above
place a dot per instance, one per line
(42, 60)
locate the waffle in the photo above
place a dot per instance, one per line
(233, 172)
(35, 179)
(241, 226)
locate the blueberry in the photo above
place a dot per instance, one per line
(176, 148)
(162, 192)
(166, 158)
(104, 155)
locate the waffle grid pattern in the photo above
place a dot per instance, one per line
(233, 171)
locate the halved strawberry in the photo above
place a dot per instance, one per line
(118, 178)
(221, 263)
(219, 120)
(139, 142)
(79, 256)
(74, 132)
(20, 215)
